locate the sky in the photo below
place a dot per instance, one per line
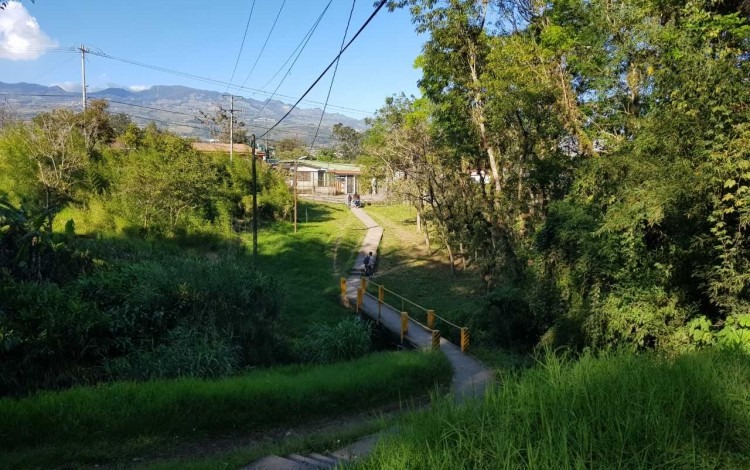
(203, 38)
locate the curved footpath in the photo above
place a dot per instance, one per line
(470, 377)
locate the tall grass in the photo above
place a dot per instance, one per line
(620, 411)
(187, 406)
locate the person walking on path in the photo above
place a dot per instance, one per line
(369, 264)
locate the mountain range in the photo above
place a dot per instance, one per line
(178, 109)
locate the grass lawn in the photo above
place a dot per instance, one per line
(406, 267)
(310, 262)
(89, 425)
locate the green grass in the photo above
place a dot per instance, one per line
(127, 418)
(423, 276)
(310, 262)
(620, 411)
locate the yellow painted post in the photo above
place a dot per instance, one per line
(363, 282)
(343, 287)
(360, 295)
(404, 325)
(431, 319)
(435, 339)
(381, 297)
(464, 339)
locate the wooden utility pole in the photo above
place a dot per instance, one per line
(255, 209)
(231, 128)
(231, 138)
(296, 166)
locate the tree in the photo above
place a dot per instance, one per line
(220, 126)
(349, 141)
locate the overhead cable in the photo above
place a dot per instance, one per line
(211, 80)
(377, 9)
(265, 43)
(333, 77)
(244, 36)
(312, 30)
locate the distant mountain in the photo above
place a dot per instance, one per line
(176, 108)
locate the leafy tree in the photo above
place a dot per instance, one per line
(220, 126)
(349, 141)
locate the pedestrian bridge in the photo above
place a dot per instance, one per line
(420, 328)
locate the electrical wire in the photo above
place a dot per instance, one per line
(377, 9)
(302, 41)
(315, 26)
(286, 130)
(213, 81)
(333, 78)
(244, 36)
(265, 43)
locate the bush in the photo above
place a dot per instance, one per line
(185, 353)
(49, 337)
(347, 340)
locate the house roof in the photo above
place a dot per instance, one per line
(329, 167)
(221, 147)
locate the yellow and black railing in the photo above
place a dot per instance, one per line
(431, 319)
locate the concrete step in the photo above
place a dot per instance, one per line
(274, 462)
(324, 459)
(308, 461)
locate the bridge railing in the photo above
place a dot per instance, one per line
(422, 316)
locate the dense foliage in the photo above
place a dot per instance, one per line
(609, 148)
(111, 305)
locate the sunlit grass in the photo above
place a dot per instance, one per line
(407, 267)
(622, 411)
(310, 262)
(123, 418)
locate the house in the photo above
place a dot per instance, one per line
(239, 149)
(316, 177)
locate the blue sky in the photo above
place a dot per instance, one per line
(203, 38)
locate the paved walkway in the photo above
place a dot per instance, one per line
(470, 377)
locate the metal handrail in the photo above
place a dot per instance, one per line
(369, 282)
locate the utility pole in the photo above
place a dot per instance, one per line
(296, 163)
(231, 128)
(255, 210)
(83, 75)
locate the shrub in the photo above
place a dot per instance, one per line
(185, 353)
(344, 341)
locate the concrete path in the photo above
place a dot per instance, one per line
(470, 377)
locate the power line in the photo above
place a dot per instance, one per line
(211, 80)
(304, 40)
(315, 27)
(243, 44)
(335, 69)
(265, 43)
(287, 129)
(377, 9)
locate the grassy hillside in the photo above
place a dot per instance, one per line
(620, 411)
(96, 424)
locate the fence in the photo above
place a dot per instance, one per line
(431, 319)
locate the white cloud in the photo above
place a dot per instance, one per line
(139, 87)
(21, 38)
